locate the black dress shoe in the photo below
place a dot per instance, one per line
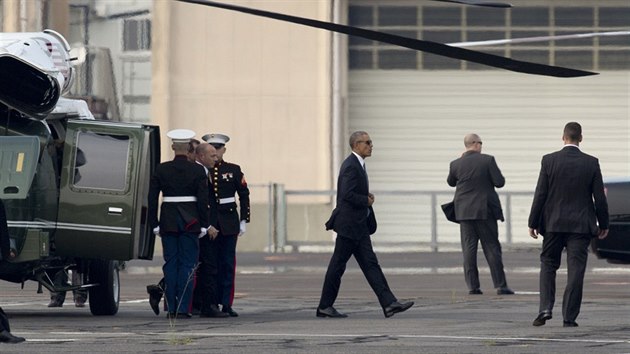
(214, 312)
(542, 318)
(229, 311)
(155, 295)
(569, 324)
(7, 337)
(505, 291)
(396, 307)
(475, 292)
(330, 312)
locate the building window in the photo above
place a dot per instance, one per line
(136, 35)
(450, 24)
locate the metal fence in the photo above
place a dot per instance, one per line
(406, 217)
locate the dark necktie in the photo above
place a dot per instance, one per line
(367, 180)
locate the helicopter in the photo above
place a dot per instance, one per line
(75, 189)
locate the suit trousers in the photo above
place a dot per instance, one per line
(486, 231)
(577, 255)
(205, 293)
(4, 321)
(226, 245)
(364, 254)
(181, 251)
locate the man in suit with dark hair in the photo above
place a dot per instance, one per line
(477, 209)
(563, 212)
(354, 221)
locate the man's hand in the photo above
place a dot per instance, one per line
(533, 233)
(602, 233)
(243, 228)
(156, 231)
(212, 232)
(370, 199)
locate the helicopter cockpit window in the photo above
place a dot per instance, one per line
(101, 161)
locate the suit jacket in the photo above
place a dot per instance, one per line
(352, 217)
(179, 178)
(475, 176)
(226, 181)
(568, 182)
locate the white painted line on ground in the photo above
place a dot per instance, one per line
(391, 270)
(84, 335)
(473, 338)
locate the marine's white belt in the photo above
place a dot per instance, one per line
(227, 200)
(179, 199)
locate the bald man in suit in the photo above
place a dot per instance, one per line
(477, 209)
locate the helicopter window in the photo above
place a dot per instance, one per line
(101, 161)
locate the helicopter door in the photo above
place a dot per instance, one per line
(105, 176)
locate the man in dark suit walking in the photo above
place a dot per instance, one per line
(354, 221)
(563, 212)
(477, 209)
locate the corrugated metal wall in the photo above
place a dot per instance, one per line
(417, 120)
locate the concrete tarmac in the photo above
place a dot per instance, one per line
(277, 294)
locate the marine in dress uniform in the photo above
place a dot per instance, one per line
(183, 218)
(156, 291)
(226, 181)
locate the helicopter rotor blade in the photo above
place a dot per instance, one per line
(538, 39)
(424, 46)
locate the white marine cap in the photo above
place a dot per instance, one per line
(181, 136)
(216, 138)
